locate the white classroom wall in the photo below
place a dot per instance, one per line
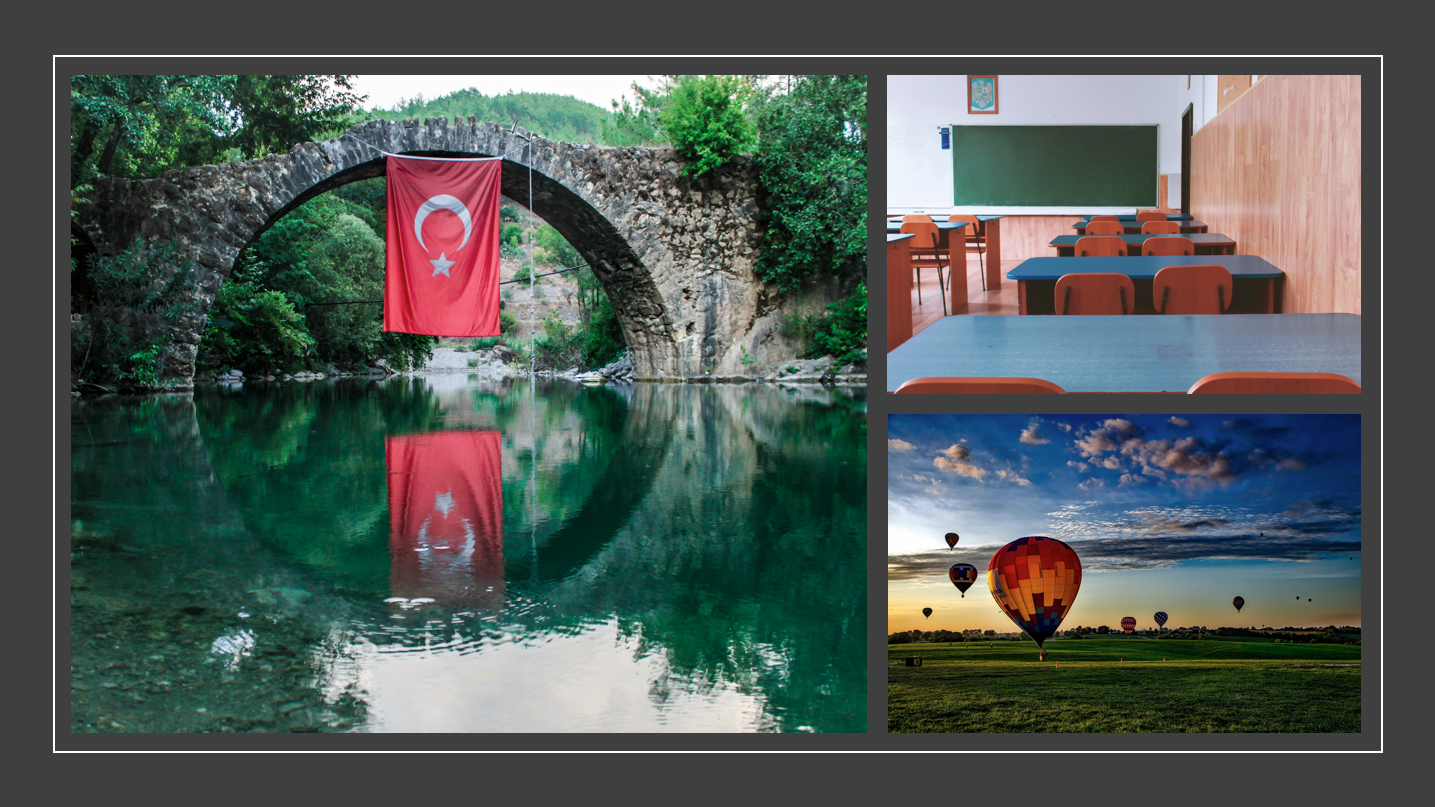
(919, 172)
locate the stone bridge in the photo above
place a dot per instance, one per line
(674, 254)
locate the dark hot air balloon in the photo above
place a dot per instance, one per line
(1160, 618)
(1239, 601)
(952, 539)
(1034, 581)
(963, 576)
(927, 612)
(1128, 624)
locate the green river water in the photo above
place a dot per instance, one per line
(458, 554)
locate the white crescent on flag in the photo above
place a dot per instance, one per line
(442, 202)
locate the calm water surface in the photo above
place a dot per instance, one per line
(456, 554)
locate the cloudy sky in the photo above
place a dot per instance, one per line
(1174, 513)
(386, 91)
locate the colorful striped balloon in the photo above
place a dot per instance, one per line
(1160, 619)
(1128, 624)
(1239, 601)
(963, 575)
(1034, 581)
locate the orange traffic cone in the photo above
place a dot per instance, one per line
(1122, 661)
(1058, 665)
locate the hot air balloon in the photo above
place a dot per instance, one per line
(952, 539)
(1239, 601)
(1034, 581)
(1160, 618)
(1128, 624)
(927, 612)
(963, 576)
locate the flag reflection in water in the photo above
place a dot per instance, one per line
(446, 517)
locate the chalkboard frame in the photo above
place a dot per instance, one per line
(1084, 166)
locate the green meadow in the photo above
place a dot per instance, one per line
(1124, 684)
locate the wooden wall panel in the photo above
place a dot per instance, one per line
(1279, 172)
(1028, 236)
(1229, 88)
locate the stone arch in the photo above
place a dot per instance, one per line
(674, 254)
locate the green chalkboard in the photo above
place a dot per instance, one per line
(1083, 166)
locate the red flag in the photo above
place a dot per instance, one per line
(446, 516)
(441, 276)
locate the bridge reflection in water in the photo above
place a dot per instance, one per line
(652, 558)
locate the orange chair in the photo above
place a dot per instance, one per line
(1150, 215)
(926, 253)
(1104, 218)
(1168, 246)
(1105, 228)
(1201, 289)
(974, 242)
(1275, 384)
(916, 217)
(1160, 228)
(1100, 246)
(950, 385)
(1095, 293)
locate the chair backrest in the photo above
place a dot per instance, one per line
(1200, 289)
(1168, 246)
(969, 386)
(1095, 293)
(1104, 218)
(1276, 384)
(1160, 227)
(970, 231)
(1105, 228)
(1150, 215)
(916, 217)
(1100, 246)
(924, 241)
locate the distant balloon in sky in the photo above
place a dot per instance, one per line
(1160, 618)
(1239, 601)
(1128, 624)
(963, 576)
(927, 612)
(952, 539)
(1034, 581)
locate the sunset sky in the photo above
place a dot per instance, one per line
(1174, 513)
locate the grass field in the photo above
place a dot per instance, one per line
(1121, 684)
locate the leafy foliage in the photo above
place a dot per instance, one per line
(843, 333)
(706, 120)
(141, 126)
(812, 163)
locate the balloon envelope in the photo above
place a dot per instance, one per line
(927, 612)
(1238, 602)
(963, 575)
(1128, 624)
(952, 539)
(1034, 581)
(1160, 619)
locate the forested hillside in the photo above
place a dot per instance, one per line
(556, 117)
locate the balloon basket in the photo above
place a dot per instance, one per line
(913, 661)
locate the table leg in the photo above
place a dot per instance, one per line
(1021, 296)
(993, 230)
(899, 293)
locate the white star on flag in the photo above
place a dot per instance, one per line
(440, 266)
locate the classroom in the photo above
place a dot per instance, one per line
(1123, 234)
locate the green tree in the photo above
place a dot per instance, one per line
(706, 120)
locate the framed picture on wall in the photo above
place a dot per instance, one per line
(981, 95)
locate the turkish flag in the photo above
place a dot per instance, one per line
(446, 516)
(441, 273)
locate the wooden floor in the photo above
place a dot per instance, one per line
(1001, 301)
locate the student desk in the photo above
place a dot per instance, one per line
(1134, 227)
(1205, 243)
(1129, 354)
(1254, 279)
(989, 227)
(899, 289)
(1132, 217)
